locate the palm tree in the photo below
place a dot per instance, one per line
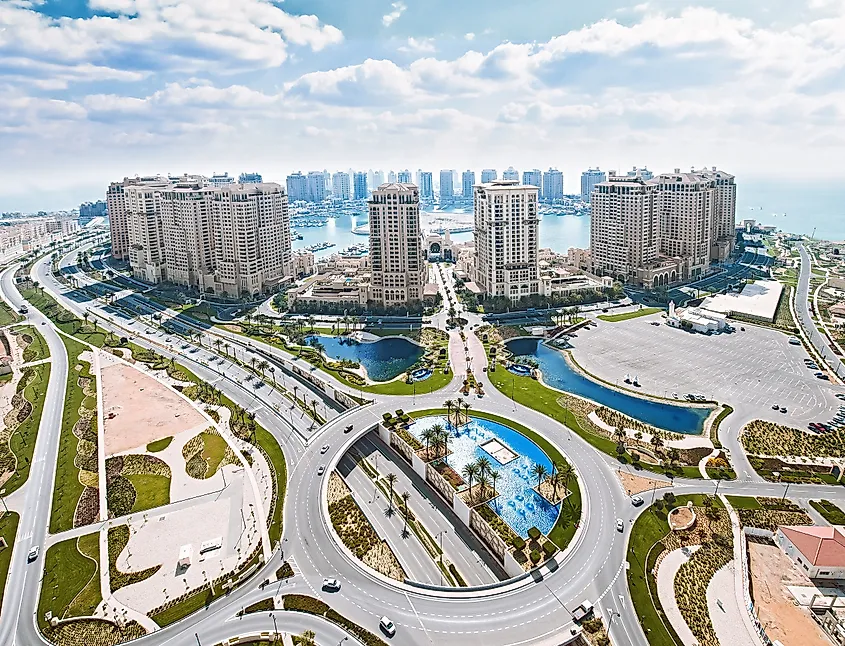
(427, 435)
(217, 344)
(448, 405)
(391, 480)
(483, 465)
(494, 476)
(311, 321)
(540, 471)
(262, 366)
(467, 406)
(469, 472)
(483, 483)
(226, 348)
(656, 441)
(308, 638)
(458, 403)
(405, 498)
(619, 434)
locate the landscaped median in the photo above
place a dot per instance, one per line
(625, 316)
(650, 538)
(312, 606)
(34, 346)
(8, 533)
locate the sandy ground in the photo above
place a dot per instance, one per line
(137, 409)
(723, 608)
(680, 517)
(669, 567)
(158, 539)
(639, 484)
(771, 572)
(686, 442)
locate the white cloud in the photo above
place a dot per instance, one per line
(418, 46)
(469, 36)
(398, 9)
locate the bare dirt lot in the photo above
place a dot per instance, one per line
(771, 572)
(137, 409)
(638, 484)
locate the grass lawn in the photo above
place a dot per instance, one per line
(36, 350)
(437, 381)
(68, 488)
(7, 314)
(71, 584)
(214, 448)
(184, 608)
(831, 513)
(8, 530)
(651, 527)
(744, 502)
(564, 527)
(159, 445)
(616, 318)
(22, 441)
(151, 491)
(714, 427)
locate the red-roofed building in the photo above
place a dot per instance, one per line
(819, 551)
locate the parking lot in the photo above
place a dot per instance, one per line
(754, 369)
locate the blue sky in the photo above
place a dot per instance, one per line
(93, 90)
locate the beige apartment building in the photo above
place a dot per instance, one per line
(507, 239)
(397, 257)
(118, 214)
(230, 240)
(659, 231)
(625, 227)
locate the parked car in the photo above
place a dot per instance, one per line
(325, 448)
(775, 406)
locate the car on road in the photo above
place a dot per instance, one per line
(325, 448)
(636, 501)
(387, 626)
(583, 611)
(33, 554)
(348, 429)
(23, 309)
(620, 526)
(331, 585)
(321, 470)
(823, 377)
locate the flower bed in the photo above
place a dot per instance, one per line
(770, 519)
(451, 476)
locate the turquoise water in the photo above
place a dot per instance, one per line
(383, 359)
(518, 504)
(557, 373)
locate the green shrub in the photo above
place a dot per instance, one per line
(518, 542)
(534, 534)
(549, 548)
(534, 556)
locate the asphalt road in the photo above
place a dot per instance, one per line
(802, 308)
(533, 610)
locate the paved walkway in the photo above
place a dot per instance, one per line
(669, 567)
(725, 614)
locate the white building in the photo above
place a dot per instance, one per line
(146, 244)
(723, 229)
(186, 224)
(507, 239)
(316, 183)
(426, 185)
(297, 187)
(221, 180)
(643, 173)
(533, 178)
(396, 247)
(552, 185)
(818, 551)
(118, 214)
(340, 186)
(589, 179)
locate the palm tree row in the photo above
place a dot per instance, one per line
(561, 473)
(435, 437)
(457, 405)
(481, 471)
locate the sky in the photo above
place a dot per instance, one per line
(95, 90)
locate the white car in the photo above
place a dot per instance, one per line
(33, 554)
(636, 501)
(620, 526)
(321, 470)
(325, 448)
(387, 626)
(331, 584)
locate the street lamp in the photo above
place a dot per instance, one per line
(275, 628)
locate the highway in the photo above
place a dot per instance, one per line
(802, 308)
(533, 610)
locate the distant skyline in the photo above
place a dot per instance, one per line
(94, 90)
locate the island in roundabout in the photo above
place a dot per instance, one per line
(497, 489)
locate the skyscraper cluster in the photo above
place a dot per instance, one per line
(655, 231)
(232, 239)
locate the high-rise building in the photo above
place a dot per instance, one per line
(146, 244)
(625, 227)
(221, 179)
(507, 239)
(645, 173)
(468, 183)
(426, 185)
(88, 210)
(403, 176)
(340, 186)
(488, 175)
(552, 185)
(511, 174)
(187, 236)
(686, 205)
(316, 186)
(391, 177)
(359, 180)
(297, 185)
(723, 231)
(252, 242)
(250, 178)
(118, 214)
(378, 179)
(589, 179)
(327, 183)
(447, 185)
(533, 178)
(397, 259)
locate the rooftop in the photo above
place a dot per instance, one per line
(759, 299)
(821, 546)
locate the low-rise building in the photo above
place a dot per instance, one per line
(303, 264)
(556, 281)
(818, 551)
